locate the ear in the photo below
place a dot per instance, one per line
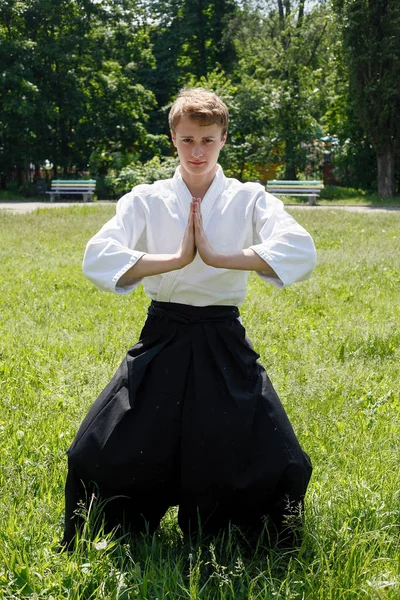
(173, 137)
(223, 140)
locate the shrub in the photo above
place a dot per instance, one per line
(334, 192)
(136, 173)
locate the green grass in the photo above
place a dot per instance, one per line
(27, 194)
(330, 196)
(331, 348)
(10, 196)
(341, 196)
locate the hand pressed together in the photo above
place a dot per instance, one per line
(203, 246)
(194, 240)
(187, 249)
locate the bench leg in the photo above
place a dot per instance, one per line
(312, 200)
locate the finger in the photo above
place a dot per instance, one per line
(191, 220)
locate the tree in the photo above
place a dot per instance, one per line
(190, 38)
(371, 41)
(19, 96)
(71, 81)
(286, 47)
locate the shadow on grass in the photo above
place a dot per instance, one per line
(168, 565)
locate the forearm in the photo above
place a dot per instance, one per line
(244, 260)
(150, 264)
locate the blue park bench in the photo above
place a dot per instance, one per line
(311, 189)
(84, 187)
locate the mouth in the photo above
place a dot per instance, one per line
(197, 163)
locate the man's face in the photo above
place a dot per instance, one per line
(198, 146)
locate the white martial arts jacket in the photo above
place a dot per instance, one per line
(153, 218)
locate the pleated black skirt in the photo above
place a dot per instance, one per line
(190, 418)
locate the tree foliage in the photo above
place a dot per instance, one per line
(70, 82)
(371, 40)
(190, 39)
(86, 84)
(286, 50)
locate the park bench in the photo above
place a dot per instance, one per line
(84, 187)
(311, 189)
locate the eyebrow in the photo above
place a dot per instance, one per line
(203, 137)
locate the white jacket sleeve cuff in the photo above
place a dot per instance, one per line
(127, 289)
(299, 268)
(262, 253)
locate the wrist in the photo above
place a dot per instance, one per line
(220, 260)
(214, 259)
(178, 261)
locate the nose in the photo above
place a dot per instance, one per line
(197, 151)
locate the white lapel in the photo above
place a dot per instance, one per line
(184, 196)
(212, 194)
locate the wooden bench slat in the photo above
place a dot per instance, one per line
(280, 187)
(296, 187)
(73, 181)
(296, 181)
(75, 187)
(85, 187)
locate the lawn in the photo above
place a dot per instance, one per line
(330, 196)
(342, 196)
(331, 348)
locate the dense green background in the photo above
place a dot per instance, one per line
(86, 85)
(331, 347)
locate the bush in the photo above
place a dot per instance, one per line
(334, 192)
(136, 173)
(355, 165)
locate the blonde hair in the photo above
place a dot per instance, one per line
(200, 105)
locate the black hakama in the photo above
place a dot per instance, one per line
(190, 418)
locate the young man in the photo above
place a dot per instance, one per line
(190, 418)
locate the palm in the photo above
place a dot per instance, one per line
(202, 244)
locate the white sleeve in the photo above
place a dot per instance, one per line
(279, 240)
(111, 252)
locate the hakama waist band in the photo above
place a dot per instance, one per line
(187, 314)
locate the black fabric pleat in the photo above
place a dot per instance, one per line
(190, 418)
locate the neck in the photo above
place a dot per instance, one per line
(198, 186)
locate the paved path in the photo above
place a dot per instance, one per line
(353, 208)
(15, 207)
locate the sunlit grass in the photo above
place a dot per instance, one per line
(331, 348)
(340, 196)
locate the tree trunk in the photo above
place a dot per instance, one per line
(201, 38)
(290, 173)
(281, 15)
(300, 14)
(20, 175)
(386, 172)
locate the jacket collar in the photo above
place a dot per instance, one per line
(185, 197)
